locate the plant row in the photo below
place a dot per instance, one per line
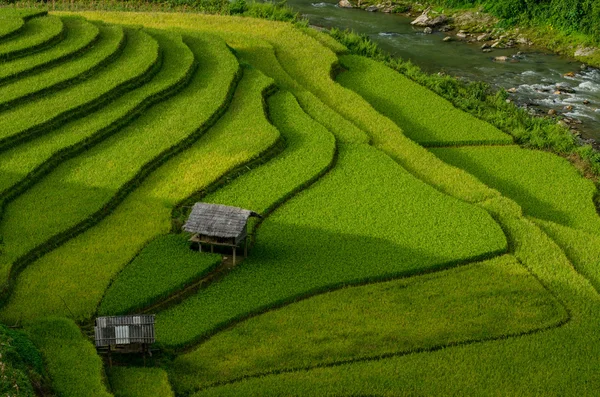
(139, 382)
(483, 301)
(37, 33)
(138, 63)
(80, 36)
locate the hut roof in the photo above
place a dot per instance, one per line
(217, 220)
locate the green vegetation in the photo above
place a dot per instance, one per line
(570, 16)
(409, 105)
(10, 25)
(140, 382)
(487, 300)
(21, 364)
(582, 249)
(550, 188)
(374, 221)
(25, 164)
(37, 33)
(309, 152)
(166, 265)
(96, 256)
(134, 66)
(71, 360)
(79, 35)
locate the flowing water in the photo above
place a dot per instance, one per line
(537, 78)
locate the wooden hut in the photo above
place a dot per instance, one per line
(125, 334)
(216, 224)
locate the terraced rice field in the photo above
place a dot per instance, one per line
(405, 247)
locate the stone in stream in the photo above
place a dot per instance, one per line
(447, 38)
(512, 90)
(372, 9)
(586, 102)
(428, 30)
(461, 35)
(486, 45)
(425, 20)
(487, 50)
(483, 37)
(501, 59)
(551, 112)
(570, 74)
(345, 4)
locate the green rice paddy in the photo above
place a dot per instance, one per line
(405, 247)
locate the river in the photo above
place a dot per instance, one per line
(536, 75)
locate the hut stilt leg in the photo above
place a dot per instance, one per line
(246, 248)
(212, 249)
(233, 256)
(109, 357)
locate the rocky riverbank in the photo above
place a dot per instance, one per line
(473, 26)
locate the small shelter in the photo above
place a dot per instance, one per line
(217, 224)
(125, 334)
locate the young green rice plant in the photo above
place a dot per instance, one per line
(10, 25)
(582, 249)
(79, 36)
(309, 64)
(107, 49)
(545, 185)
(481, 301)
(96, 256)
(540, 363)
(309, 152)
(36, 33)
(24, 164)
(136, 65)
(139, 382)
(88, 181)
(411, 106)
(25, 13)
(166, 265)
(368, 219)
(71, 360)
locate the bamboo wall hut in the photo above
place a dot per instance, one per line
(216, 224)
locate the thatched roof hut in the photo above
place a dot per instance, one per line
(217, 224)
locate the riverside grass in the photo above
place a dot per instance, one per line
(375, 221)
(166, 265)
(138, 58)
(310, 150)
(71, 360)
(79, 34)
(486, 300)
(139, 382)
(96, 256)
(21, 162)
(35, 33)
(408, 104)
(551, 188)
(309, 64)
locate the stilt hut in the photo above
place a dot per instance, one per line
(124, 334)
(222, 225)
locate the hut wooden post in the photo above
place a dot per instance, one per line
(234, 256)
(246, 247)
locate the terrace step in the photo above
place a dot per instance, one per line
(162, 134)
(111, 43)
(138, 63)
(10, 26)
(26, 164)
(80, 36)
(36, 34)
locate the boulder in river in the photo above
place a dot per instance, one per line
(501, 59)
(551, 112)
(483, 37)
(428, 30)
(585, 51)
(461, 35)
(345, 4)
(425, 20)
(448, 38)
(372, 9)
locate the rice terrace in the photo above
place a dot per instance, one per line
(396, 243)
